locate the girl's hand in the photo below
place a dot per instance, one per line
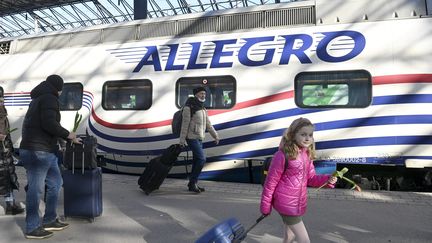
(332, 180)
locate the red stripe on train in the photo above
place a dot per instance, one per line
(379, 80)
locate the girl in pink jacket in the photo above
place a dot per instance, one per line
(290, 172)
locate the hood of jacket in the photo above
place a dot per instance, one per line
(43, 88)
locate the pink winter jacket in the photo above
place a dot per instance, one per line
(286, 190)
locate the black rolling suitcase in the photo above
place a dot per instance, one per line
(158, 168)
(81, 155)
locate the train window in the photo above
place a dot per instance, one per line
(333, 89)
(127, 94)
(220, 91)
(71, 97)
(1, 92)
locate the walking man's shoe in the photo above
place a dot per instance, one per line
(193, 188)
(38, 233)
(56, 225)
(202, 189)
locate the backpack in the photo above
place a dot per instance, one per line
(265, 167)
(177, 122)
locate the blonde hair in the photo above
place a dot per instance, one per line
(288, 144)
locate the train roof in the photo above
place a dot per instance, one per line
(292, 14)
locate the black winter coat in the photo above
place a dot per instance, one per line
(41, 126)
(8, 177)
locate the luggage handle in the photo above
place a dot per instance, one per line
(82, 160)
(73, 158)
(244, 234)
(256, 222)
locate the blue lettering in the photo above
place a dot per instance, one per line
(303, 43)
(359, 45)
(289, 50)
(243, 57)
(218, 53)
(192, 64)
(171, 58)
(153, 53)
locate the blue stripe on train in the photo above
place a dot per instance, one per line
(341, 143)
(380, 100)
(347, 123)
(388, 140)
(399, 160)
(402, 99)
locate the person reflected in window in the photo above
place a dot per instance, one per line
(195, 122)
(8, 177)
(230, 101)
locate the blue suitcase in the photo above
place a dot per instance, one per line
(82, 193)
(227, 231)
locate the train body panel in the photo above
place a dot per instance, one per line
(264, 64)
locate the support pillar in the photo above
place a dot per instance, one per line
(140, 9)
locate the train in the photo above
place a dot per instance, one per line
(359, 70)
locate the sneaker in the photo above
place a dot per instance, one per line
(194, 188)
(55, 226)
(202, 189)
(39, 233)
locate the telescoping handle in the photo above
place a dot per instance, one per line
(256, 222)
(73, 158)
(244, 234)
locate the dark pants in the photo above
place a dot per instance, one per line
(198, 159)
(42, 169)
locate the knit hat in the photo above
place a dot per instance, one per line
(198, 89)
(56, 81)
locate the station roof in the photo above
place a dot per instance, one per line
(24, 17)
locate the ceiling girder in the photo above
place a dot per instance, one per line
(65, 14)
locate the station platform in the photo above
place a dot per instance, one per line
(173, 214)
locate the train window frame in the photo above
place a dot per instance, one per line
(221, 91)
(76, 99)
(345, 80)
(130, 85)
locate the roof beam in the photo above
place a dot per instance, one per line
(125, 17)
(158, 9)
(184, 6)
(16, 22)
(106, 15)
(78, 13)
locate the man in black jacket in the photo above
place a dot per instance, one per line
(40, 132)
